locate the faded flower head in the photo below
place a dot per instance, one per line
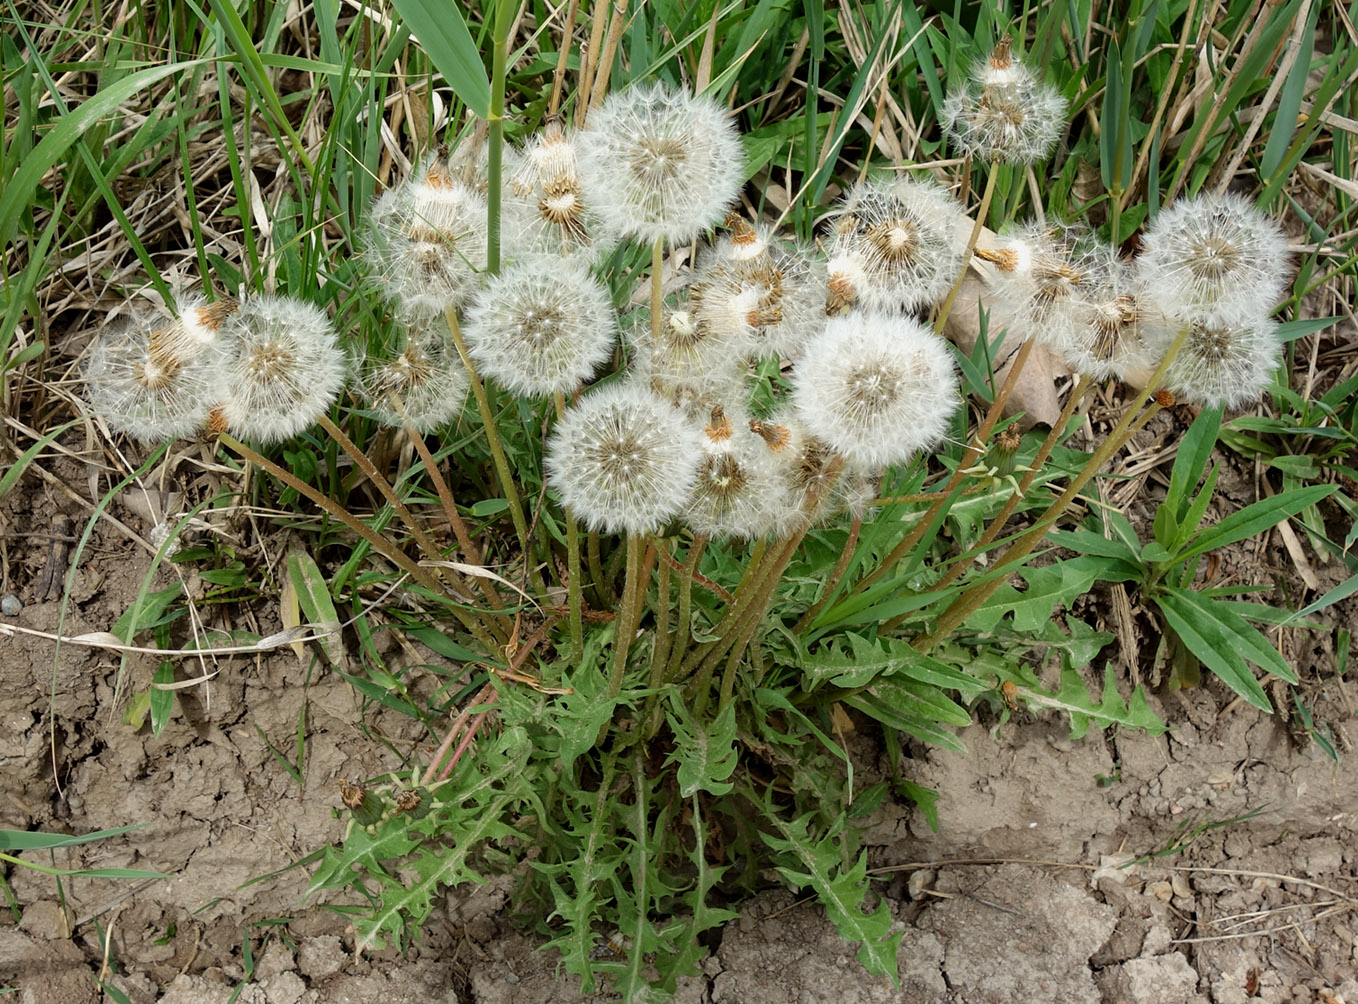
(623, 460)
(424, 385)
(1227, 358)
(1214, 250)
(1004, 112)
(877, 388)
(897, 244)
(660, 164)
(156, 379)
(738, 492)
(544, 206)
(282, 368)
(541, 327)
(427, 238)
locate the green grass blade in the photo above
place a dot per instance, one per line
(443, 35)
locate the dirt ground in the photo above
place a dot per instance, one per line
(1023, 895)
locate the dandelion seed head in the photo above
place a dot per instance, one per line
(282, 368)
(660, 164)
(876, 388)
(1227, 358)
(424, 385)
(1214, 249)
(624, 460)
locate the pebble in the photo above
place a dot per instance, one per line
(11, 605)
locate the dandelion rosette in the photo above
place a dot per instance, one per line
(876, 388)
(1215, 249)
(660, 164)
(541, 327)
(282, 368)
(896, 245)
(624, 460)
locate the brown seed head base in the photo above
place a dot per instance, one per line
(1164, 398)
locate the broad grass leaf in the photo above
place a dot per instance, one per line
(442, 33)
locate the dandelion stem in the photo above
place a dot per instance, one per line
(909, 542)
(982, 210)
(836, 576)
(682, 627)
(660, 649)
(605, 65)
(573, 584)
(997, 524)
(464, 540)
(598, 22)
(497, 452)
(504, 17)
(627, 610)
(967, 604)
(378, 543)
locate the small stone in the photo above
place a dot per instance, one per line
(11, 605)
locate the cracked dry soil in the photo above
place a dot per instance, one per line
(1019, 897)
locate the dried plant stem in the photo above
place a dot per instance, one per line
(754, 613)
(598, 22)
(1132, 420)
(912, 539)
(563, 58)
(946, 310)
(660, 650)
(497, 452)
(836, 576)
(604, 68)
(657, 288)
(627, 611)
(699, 653)
(574, 590)
(378, 543)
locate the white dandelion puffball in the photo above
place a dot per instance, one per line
(283, 367)
(156, 379)
(660, 164)
(541, 327)
(1004, 112)
(544, 207)
(424, 385)
(1215, 249)
(739, 492)
(624, 460)
(1227, 358)
(426, 239)
(897, 244)
(876, 388)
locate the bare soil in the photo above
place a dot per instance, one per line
(1029, 891)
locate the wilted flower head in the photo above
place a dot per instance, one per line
(1227, 358)
(424, 385)
(1044, 276)
(623, 460)
(773, 292)
(545, 207)
(816, 482)
(738, 492)
(660, 164)
(1004, 112)
(282, 368)
(156, 379)
(541, 327)
(1214, 250)
(877, 388)
(896, 245)
(427, 238)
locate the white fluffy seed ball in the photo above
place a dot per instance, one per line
(1214, 250)
(283, 367)
(624, 460)
(541, 327)
(657, 163)
(876, 387)
(1227, 358)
